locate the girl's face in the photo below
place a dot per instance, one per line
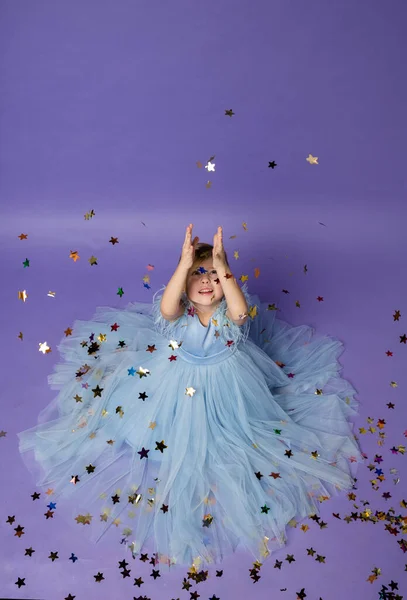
(203, 276)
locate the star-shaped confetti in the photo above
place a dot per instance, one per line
(160, 446)
(74, 255)
(143, 453)
(19, 531)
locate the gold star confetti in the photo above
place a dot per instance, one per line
(74, 255)
(84, 519)
(313, 160)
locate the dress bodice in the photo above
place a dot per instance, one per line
(198, 343)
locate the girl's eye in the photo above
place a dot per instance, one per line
(194, 273)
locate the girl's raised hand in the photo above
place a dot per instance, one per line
(218, 252)
(188, 249)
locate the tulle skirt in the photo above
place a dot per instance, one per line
(190, 461)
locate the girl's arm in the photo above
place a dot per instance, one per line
(235, 300)
(171, 301)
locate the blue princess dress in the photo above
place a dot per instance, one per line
(190, 440)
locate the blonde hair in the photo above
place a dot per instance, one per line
(202, 252)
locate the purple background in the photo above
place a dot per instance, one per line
(108, 106)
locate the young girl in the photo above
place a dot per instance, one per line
(197, 423)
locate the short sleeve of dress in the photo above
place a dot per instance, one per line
(166, 328)
(227, 328)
